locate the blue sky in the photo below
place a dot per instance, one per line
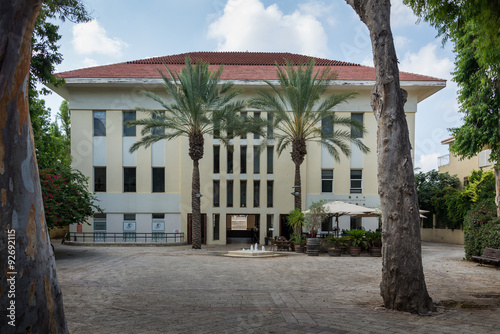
(128, 30)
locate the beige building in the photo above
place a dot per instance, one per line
(462, 167)
(246, 193)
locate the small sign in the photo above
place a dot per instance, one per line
(159, 226)
(129, 226)
(271, 229)
(79, 228)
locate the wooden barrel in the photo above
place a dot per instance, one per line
(313, 246)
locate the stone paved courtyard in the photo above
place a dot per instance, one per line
(180, 290)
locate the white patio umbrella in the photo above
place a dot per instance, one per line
(339, 208)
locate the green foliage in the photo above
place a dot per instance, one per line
(432, 184)
(297, 239)
(357, 238)
(481, 229)
(316, 214)
(296, 220)
(374, 238)
(298, 108)
(65, 197)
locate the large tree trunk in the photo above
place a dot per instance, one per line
(298, 154)
(30, 296)
(403, 284)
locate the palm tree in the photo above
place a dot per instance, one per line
(300, 113)
(201, 105)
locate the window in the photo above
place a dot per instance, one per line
(484, 158)
(243, 159)
(129, 227)
(270, 150)
(216, 159)
(269, 194)
(356, 181)
(256, 115)
(99, 123)
(244, 115)
(99, 227)
(356, 223)
(158, 227)
(256, 193)
(230, 159)
(326, 225)
(327, 126)
(129, 180)
(270, 126)
(216, 226)
(159, 116)
(327, 180)
(243, 193)
(230, 184)
(158, 179)
(356, 133)
(256, 160)
(269, 227)
(128, 131)
(100, 179)
(216, 193)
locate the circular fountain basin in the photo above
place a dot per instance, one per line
(254, 254)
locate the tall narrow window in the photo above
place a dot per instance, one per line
(129, 227)
(99, 227)
(216, 193)
(357, 133)
(256, 115)
(230, 184)
(128, 131)
(243, 193)
(100, 179)
(158, 115)
(99, 123)
(256, 193)
(356, 181)
(356, 223)
(327, 180)
(230, 159)
(158, 179)
(256, 160)
(243, 159)
(158, 227)
(270, 134)
(327, 126)
(269, 227)
(216, 159)
(269, 194)
(129, 179)
(216, 226)
(270, 150)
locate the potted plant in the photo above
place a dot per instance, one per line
(375, 243)
(357, 240)
(333, 248)
(316, 214)
(299, 243)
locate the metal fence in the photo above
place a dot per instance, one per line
(125, 237)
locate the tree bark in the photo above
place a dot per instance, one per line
(403, 283)
(195, 206)
(298, 154)
(297, 189)
(30, 296)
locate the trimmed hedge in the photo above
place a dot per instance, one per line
(481, 229)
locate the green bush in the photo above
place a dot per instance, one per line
(481, 229)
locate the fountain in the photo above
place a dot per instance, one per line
(252, 252)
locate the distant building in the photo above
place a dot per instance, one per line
(245, 194)
(462, 167)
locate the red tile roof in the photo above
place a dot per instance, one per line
(237, 66)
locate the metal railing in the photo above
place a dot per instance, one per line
(125, 237)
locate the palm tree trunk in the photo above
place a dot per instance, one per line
(195, 205)
(403, 283)
(298, 187)
(30, 296)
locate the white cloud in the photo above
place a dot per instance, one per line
(247, 25)
(91, 38)
(89, 62)
(427, 62)
(428, 162)
(400, 42)
(401, 14)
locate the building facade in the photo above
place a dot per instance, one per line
(454, 165)
(246, 192)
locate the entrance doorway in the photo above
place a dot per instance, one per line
(242, 229)
(285, 229)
